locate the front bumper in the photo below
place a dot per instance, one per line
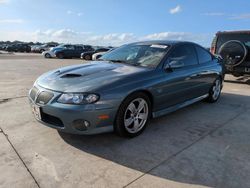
(63, 117)
(52, 54)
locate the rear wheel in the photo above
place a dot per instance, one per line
(133, 115)
(87, 57)
(215, 91)
(60, 55)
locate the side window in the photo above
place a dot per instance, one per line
(79, 48)
(184, 55)
(203, 55)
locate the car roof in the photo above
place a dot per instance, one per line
(162, 42)
(233, 32)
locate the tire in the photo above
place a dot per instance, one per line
(98, 56)
(215, 91)
(60, 55)
(131, 103)
(47, 55)
(87, 57)
(41, 51)
(237, 74)
(233, 53)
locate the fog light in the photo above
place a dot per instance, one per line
(81, 125)
(86, 123)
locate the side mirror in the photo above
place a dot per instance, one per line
(173, 64)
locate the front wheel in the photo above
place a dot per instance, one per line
(133, 115)
(215, 91)
(47, 55)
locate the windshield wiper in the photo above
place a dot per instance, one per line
(121, 61)
(117, 61)
(113, 60)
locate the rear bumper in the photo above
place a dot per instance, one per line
(241, 70)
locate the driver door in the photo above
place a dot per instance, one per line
(181, 76)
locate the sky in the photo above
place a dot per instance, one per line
(116, 22)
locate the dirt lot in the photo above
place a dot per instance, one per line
(201, 145)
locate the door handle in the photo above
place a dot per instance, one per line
(195, 75)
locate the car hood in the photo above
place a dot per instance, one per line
(88, 77)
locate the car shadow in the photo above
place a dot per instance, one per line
(165, 139)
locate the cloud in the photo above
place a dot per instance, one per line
(175, 10)
(4, 1)
(64, 33)
(166, 36)
(199, 38)
(214, 14)
(12, 21)
(110, 39)
(69, 12)
(245, 16)
(61, 35)
(79, 14)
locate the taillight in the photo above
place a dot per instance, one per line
(212, 50)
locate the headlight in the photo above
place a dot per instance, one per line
(78, 98)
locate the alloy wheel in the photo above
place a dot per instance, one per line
(216, 89)
(136, 115)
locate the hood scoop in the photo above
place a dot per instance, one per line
(71, 75)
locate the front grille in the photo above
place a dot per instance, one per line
(33, 93)
(51, 120)
(44, 97)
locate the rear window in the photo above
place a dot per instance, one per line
(203, 55)
(223, 38)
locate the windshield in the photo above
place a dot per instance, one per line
(137, 54)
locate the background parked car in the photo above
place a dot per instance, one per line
(18, 48)
(88, 55)
(45, 47)
(51, 52)
(3, 46)
(72, 52)
(233, 47)
(34, 48)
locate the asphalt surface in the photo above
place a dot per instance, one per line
(203, 145)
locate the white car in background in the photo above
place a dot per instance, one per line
(49, 54)
(96, 56)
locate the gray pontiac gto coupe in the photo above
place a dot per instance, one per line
(126, 87)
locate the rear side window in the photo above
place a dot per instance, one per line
(185, 54)
(203, 55)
